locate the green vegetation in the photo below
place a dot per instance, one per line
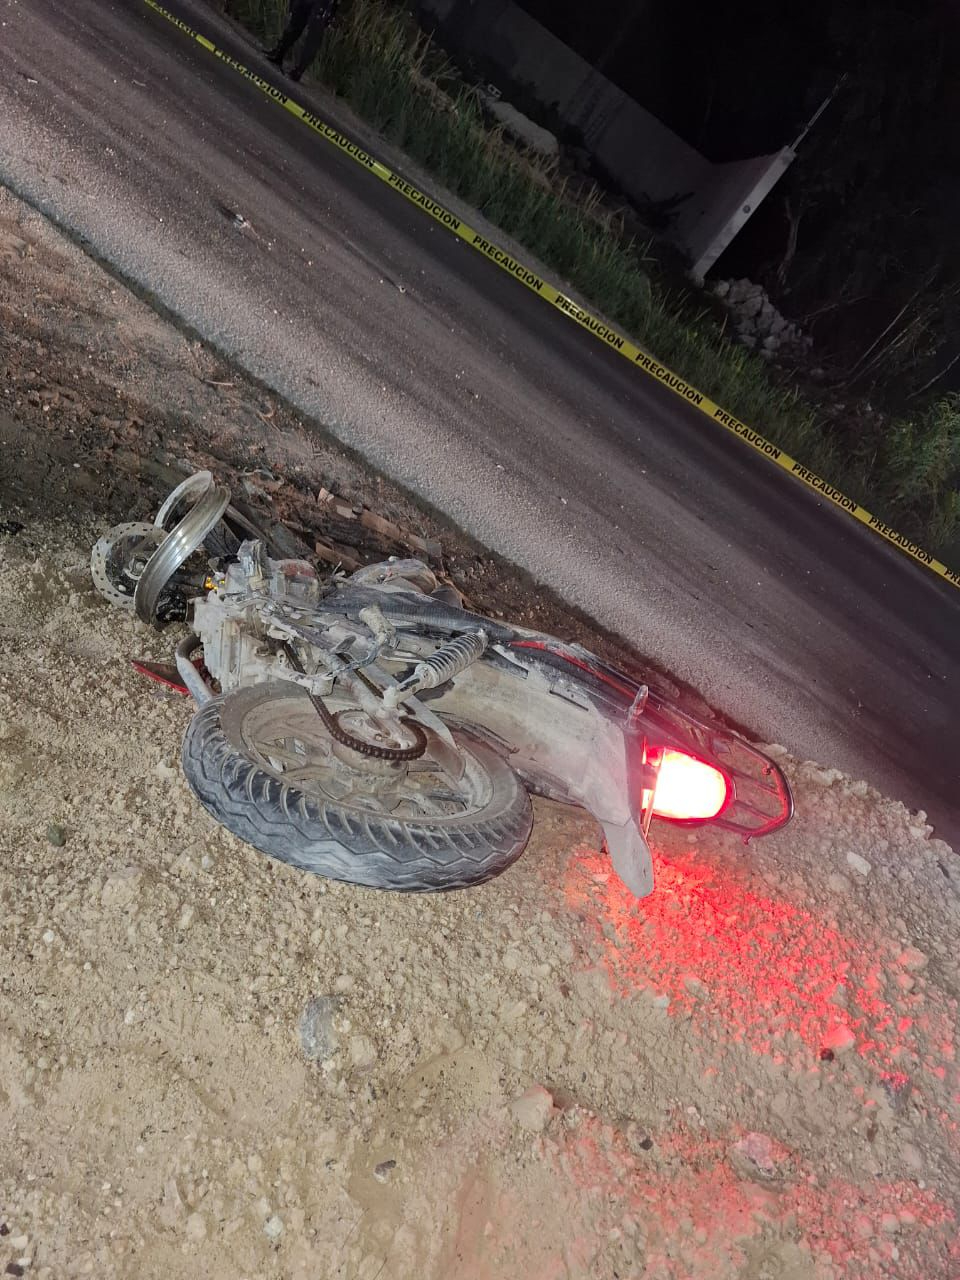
(915, 467)
(379, 62)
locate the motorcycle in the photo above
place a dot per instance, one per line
(369, 728)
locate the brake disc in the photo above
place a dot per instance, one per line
(119, 558)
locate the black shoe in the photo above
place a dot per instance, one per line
(275, 56)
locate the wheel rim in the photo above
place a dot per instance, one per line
(285, 737)
(181, 541)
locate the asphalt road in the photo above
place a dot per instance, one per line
(462, 385)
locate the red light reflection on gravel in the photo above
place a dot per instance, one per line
(697, 1210)
(765, 972)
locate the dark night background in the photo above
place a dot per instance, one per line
(731, 79)
(863, 230)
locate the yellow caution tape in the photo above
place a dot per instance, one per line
(593, 324)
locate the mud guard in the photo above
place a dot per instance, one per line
(630, 855)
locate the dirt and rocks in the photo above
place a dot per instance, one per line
(758, 324)
(213, 1065)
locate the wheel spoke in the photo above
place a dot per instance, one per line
(280, 759)
(285, 750)
(307, 773)
(446, 797)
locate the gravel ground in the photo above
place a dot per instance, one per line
(214, 1065)
(211, 1064)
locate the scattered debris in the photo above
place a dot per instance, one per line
(335, 555)
(758, 1153)
(231, 215)
(521, 128)
(261, 484)
(387, 529)
(318, 1036)
(534, 1108)
(858, 863)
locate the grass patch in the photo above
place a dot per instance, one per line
(377, 60)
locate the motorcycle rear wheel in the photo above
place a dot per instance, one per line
(238, 748)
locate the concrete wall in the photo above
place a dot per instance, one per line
(647, 160)
(726, 202)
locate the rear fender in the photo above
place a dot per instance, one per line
(561, 745)
(630, 855)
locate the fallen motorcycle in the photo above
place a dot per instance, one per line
(371, 729)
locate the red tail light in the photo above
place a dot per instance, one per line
(687, 789)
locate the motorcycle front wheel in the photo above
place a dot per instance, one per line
(262, 763)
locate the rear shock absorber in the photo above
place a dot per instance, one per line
(448, 661)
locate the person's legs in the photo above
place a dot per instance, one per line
(319, 21)
(300, 11)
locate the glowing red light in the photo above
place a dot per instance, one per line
(688, 789)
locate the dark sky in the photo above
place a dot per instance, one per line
(733, 79)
